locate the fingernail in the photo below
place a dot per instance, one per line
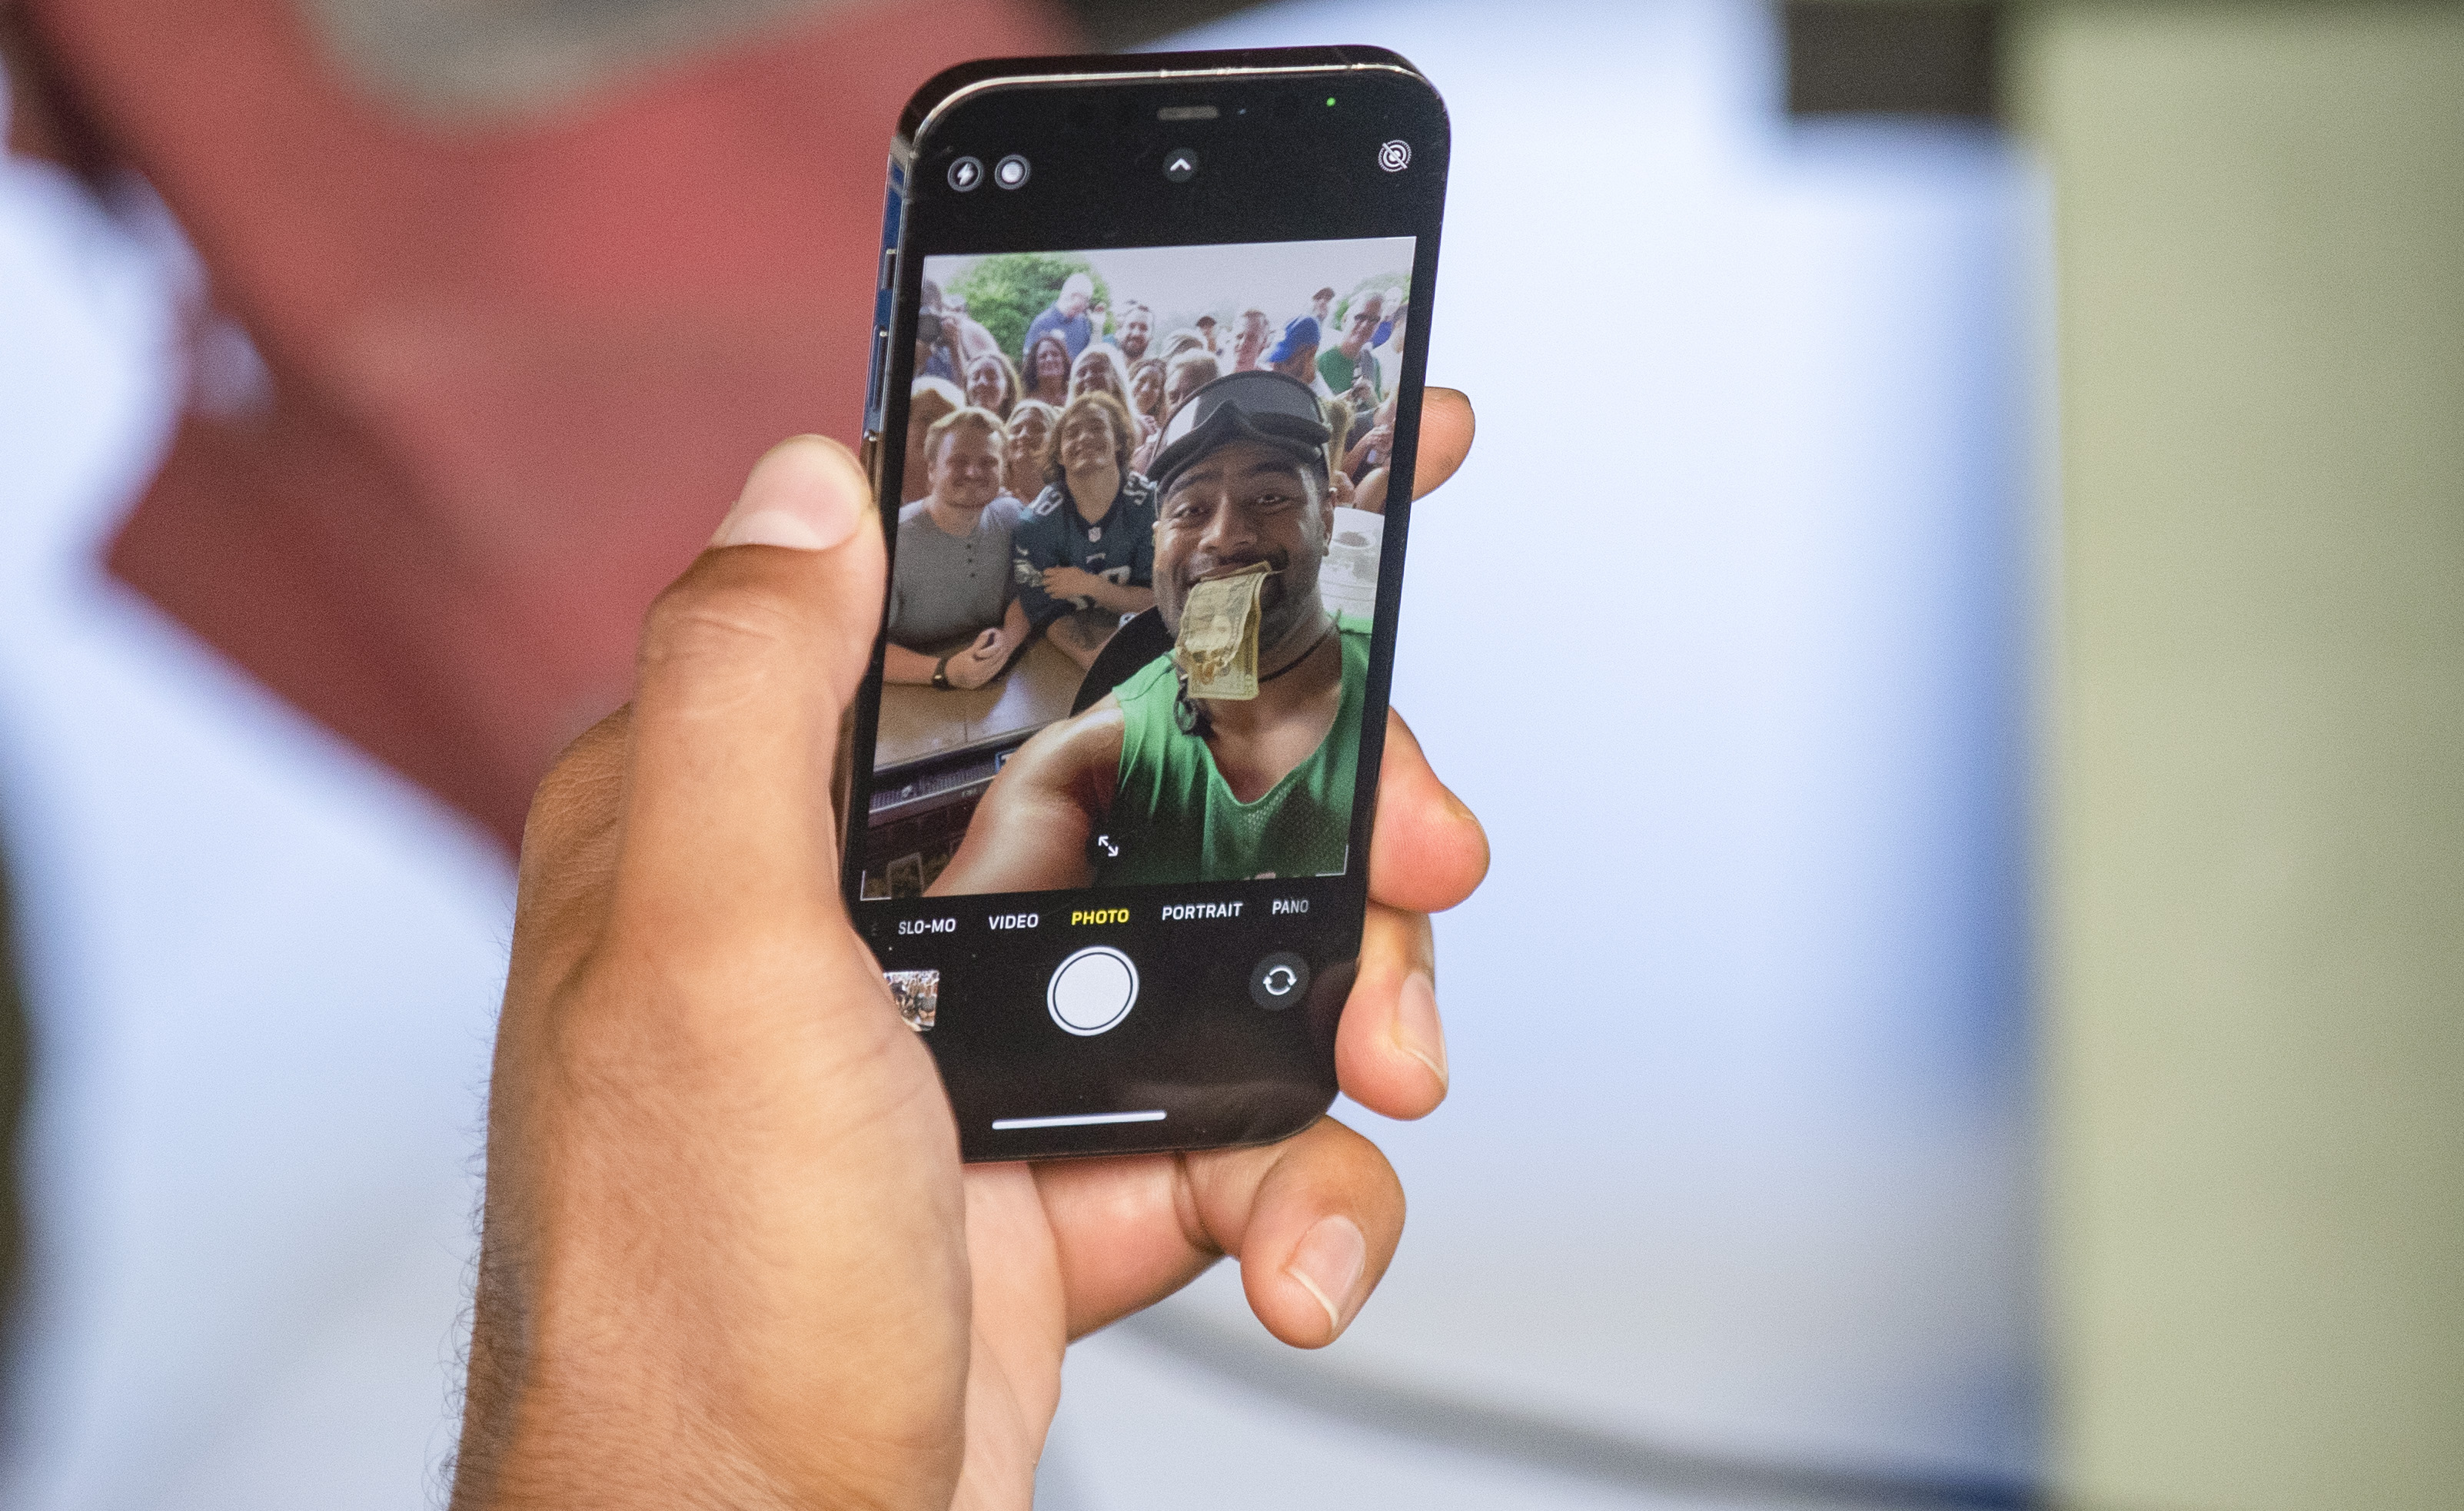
(1329, 1262)
(1417, 1032)
(1462, 811)
(806, 494)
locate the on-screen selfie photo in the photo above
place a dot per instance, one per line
(1134, 578)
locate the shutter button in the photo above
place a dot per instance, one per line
(1092, 991)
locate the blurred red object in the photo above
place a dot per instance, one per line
(516, 371)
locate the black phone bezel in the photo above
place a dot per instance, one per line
(1089, 126)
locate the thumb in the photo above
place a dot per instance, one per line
(747, 663)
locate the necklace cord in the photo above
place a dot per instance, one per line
(1302, 656)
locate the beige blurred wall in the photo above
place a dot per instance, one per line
(2254, 955)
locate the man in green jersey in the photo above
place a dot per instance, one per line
(1349, 361)
(1151, 785)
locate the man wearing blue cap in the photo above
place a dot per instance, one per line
(1152, 786)
(1295, 355)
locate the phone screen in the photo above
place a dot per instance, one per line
(1116, 770)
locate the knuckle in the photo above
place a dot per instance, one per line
(568, 836)
(580, 784)
(714, 619)
(783, 942)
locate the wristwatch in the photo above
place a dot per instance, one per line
(941, 673)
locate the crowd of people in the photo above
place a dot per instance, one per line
(1026, 502)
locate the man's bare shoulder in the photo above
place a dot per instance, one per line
(1061, 753)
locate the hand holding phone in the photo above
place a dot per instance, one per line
(728, 1242)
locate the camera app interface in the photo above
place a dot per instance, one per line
(1136, 573)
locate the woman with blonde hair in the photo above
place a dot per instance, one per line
(1029, 446)
(1146, 393)
(992, 384)
(1146, 406)
(1099, 369)
(1371, 453)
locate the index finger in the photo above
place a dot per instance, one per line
(1446, 427)
(1428, 850)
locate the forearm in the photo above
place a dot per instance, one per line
(1006, 856)
(546, 1453)
(606, 1428)
(898, 664)
(1030, 831)
(1122, 599)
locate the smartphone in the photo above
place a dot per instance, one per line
(1109, 787)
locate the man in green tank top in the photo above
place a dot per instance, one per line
(1152, 786)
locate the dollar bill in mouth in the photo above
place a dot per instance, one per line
(1218, 646)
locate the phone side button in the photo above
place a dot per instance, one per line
(873, 394)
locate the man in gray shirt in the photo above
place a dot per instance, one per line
(953, 622)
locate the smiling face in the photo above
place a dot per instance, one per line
(1086, 440)
(1244, 502)
(1357, 330)
(1249, 343)
(1051, 361)
(1095, 374)
(1077, 292)
(1146, 388)
(967, 467)
(1030, 442)
(988, 386)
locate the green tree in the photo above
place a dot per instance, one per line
(1007, 291)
